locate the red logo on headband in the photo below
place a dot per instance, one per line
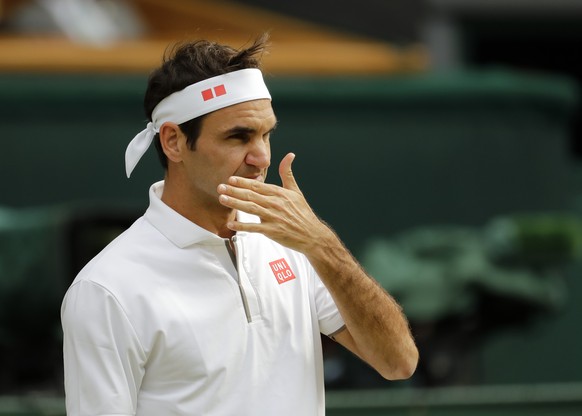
(218, 91)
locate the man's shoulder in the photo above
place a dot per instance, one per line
(121, 255)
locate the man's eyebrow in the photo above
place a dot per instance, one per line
(246, 130)
(239, 130)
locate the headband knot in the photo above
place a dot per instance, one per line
(194, 101)
(138, 146)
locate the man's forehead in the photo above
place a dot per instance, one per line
(251, 114)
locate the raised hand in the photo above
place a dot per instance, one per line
(376, 330)
(285, 215)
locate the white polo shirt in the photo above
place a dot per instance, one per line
(161, 322)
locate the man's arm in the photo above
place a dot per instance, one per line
(376, 329)
(103, 359)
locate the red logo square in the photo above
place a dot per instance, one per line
(220, 90)
(282, 271)
(207, 94)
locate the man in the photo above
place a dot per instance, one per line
(213, 302)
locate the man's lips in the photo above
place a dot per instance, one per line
(256, 177)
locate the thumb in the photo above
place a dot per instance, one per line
(286, 173)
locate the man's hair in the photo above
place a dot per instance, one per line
(191, 62)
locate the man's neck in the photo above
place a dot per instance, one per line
(209, 215)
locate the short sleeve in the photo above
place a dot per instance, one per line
(330, 320)
(103, 359)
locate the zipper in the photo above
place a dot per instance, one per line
(235, 261)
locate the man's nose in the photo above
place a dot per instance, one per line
(259, 154)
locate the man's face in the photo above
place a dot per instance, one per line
(233, 141)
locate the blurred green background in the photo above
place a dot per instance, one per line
(459, 189)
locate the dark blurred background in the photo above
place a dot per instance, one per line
(442, 139)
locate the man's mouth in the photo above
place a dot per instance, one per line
(257, 177)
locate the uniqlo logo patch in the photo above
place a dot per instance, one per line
(210, 93)
(282, 271)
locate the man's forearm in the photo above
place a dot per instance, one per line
(377, 330)
(373, 318)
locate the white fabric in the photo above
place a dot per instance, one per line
(156, 325)
(194, 101)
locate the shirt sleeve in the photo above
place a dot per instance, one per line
(330, 320)
(103, 359)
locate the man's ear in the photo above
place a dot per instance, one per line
(170, 135)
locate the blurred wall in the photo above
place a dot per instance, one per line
(375, 156)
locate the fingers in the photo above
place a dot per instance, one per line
(245, 190)
(245, 206)
(286, 174)
(247, 195)
(250, 185)
(245, 226)
(268, 202)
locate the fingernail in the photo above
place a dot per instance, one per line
(223, 198)
(221, 188)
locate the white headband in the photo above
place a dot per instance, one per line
(194, 101)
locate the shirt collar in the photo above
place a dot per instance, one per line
(178, 229)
